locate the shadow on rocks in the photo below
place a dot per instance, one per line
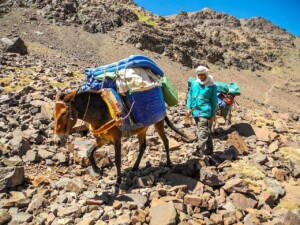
(243, 129)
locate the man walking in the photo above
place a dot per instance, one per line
(202, 105)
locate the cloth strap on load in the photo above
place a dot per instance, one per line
(115, 110)
(112, 103)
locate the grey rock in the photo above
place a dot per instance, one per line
(16, 199)
(210, 177)
(5, 217)
(19, 145)
(259, 158)
(70, 210)
(21, 218)
(276, 187)
(44, 154)
(12, 161)
(15, 45)
(76, 185)
(31, 156)
(38, 202)
(11, 176)
(292, 217)
(138, 199)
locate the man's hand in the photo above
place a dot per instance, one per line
(189, 112)
(212, 119)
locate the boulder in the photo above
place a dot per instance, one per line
(264, 134)
(76, 185)
(19, 145)
(16, 199)
(242, 201)
(38, 202)
(169, 214)
(138, 217)
(44, 154)
(177, 179)
(236, 185)
(193, 200)
(5, 217)
(137, 199)
(69, 210)
(237, 141)
(12, 161)
(121, 220)
(259, 158)
(79, 148)
(292, 217)
(210, 177)
(11, 176)
(21, 218)
(15, 45)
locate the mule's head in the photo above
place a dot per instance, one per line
(65, 117)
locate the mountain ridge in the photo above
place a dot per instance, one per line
(202, 37)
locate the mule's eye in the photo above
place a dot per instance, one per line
(64, 113)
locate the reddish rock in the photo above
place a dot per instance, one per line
(236, 185)
(196, 201)
(216, 218)
(242, 201)
(138, 217)
(237, 141)
(264, 134)
(279, 174)
(267, 198)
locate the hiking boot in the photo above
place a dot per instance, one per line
(198, 153)
(208, 152)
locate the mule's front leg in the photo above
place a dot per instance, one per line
(117, 146)
(90, 154)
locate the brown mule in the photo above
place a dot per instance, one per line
(90, 107)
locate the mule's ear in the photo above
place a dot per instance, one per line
(70, 97)
(59, 96)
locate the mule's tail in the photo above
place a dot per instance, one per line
(171, 125)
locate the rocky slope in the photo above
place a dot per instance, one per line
(253, 176)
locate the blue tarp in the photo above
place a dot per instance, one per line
(130, 62)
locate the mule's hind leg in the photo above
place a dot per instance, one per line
(142, 147)
(161, 132)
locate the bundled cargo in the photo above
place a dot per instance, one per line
(140, 85)
(231, 88)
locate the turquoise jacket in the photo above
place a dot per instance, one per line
(202, 98)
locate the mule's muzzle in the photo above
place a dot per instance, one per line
(60, 140)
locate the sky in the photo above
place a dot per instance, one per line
(283, 13)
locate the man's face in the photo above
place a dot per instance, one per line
(202, 76)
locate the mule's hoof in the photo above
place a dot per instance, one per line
(94, 173)
(135, 168)
(115, 190)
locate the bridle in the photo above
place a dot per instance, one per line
(69, 114)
